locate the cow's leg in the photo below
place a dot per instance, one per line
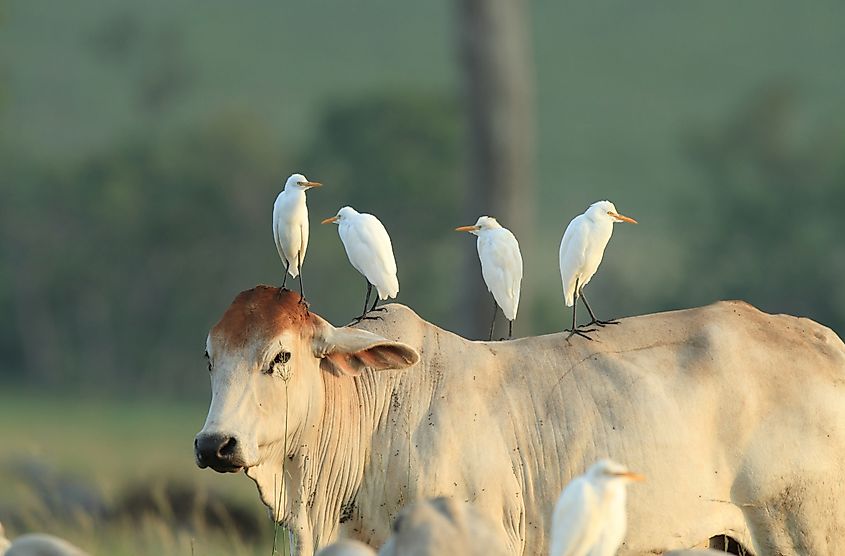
(593, 315)
(574, 330)
(493, 322)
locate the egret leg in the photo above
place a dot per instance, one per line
(364, 316)
(593, 315)
(373, 308)
(301, 289)
(356, 320)
(510, 329)
(493, 322)
(285, 281)
(574, 330)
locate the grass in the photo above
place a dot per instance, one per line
(137, 458)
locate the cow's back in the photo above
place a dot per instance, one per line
(698, 400)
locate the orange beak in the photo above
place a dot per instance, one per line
(467, 228)
(310, 184)
(622, 218)
(635, 477)
(329, 220)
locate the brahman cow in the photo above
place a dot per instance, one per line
(443, 526)
(736, 417)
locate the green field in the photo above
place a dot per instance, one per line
(118, 451)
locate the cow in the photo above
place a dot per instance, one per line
(442, 526)
(735, 416)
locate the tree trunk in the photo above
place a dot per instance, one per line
(498, 84)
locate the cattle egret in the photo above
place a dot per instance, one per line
(370, 252)
(290, 225)
(590, 514)
(501, 266)
(581, 251)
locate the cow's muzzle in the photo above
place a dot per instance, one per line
(219, 452)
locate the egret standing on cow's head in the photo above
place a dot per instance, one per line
(290, 226)
(590, 516)
(581, 251)
(501, 266)
(370, 251)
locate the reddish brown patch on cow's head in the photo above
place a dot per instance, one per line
(263, 311)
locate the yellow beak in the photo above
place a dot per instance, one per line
(467, 228)
(622, 218)
(310, 184)
(329, 220)
(635, 477)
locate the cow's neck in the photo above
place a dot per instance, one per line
(325, 462)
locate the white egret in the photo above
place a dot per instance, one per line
(501, 266)
(370, 251)
(581, 251)
(290, 226)
(590, 516)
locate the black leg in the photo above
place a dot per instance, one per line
(301, 289)
(364, 316)
(593, 316)
(574, 330)
(285, 281)
(493, 322)
(510, 329)
(375, 301)
(366, 300)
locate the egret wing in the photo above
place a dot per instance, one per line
(501, 266)
(576, 524)
(371, 252)
(573, 249)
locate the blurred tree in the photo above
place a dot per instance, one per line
(766, 224)
(115, 268)
(397, 156)
(494, 47)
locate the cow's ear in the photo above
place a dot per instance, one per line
(349, 351)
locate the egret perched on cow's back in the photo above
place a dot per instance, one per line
(370, 251)
(290, 226)
(581, 251)
(590, 516)
(501, 266)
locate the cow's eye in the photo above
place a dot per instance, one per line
(280, 360)
(209, 360)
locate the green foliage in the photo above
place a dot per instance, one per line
(399, 157)
(767, 222)
(117, 264)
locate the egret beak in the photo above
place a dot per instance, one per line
(622, 218)
(310, 184)
(329, 220)
(635, 477)
(467, 228)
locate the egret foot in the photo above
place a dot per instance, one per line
(582, 333)
(601, 322)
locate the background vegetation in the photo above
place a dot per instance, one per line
(142, 146)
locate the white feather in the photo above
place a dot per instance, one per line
(369, 249)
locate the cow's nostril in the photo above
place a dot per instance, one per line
(227, 449)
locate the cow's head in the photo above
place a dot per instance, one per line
(267, 357)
